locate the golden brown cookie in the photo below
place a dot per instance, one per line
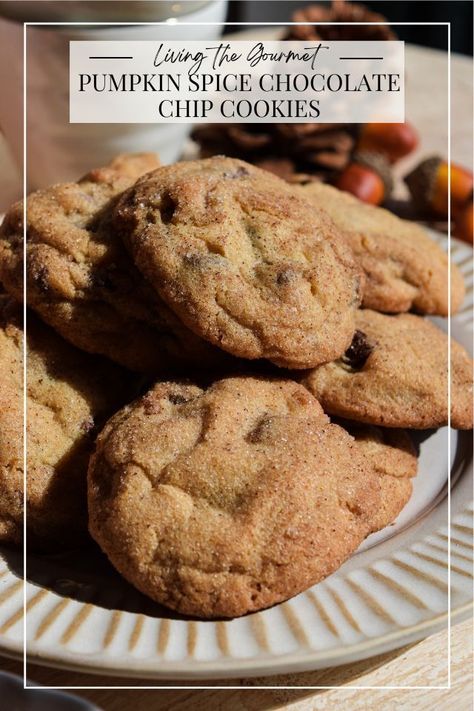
(82, 282)
(69, 395)
(392, 455)
(404, 268)
(395, 375)
(243, 261)
(11, 422)
(225, 500)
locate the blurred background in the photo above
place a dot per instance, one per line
(387, 164)
(458, 12)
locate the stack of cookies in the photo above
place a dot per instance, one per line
(256, 337)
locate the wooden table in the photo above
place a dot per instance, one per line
(423, 664)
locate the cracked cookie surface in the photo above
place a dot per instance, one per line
(244, 261)
(401, 380)
(227, 500)
(392, 455)
(69, 395)
(81, 280)
(404, 269)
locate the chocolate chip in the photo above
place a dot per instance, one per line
(167, 208)
(177, 399)
(261, 431)
(238, 173)
(359, 350)
(284, 277)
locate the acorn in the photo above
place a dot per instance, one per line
(463, 225)
(368, 177)
(393, 140)
(428, 186)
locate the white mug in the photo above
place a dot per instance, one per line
(56, 149)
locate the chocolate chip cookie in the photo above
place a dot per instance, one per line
(392, 455)
(11, 422)
(243, 261)
(225, 500)
(404, 268)
(81, 281)
(69, 395)
(395, 374)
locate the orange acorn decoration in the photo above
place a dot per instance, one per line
(393, 140)
(368, 177)
(428, 186)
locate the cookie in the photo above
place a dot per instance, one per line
(69, 395)
(220, 501)
(395, 374)
(243, 261)
(81, 281)
(404, 269)
(392, 455)
(11, 422)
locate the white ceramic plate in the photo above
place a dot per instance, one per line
(394, 590)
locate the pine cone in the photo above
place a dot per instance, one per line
(339, 11)
(299, 152)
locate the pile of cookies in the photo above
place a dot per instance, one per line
(195, 335)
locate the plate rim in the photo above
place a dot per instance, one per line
(278, 664)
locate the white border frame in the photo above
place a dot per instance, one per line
(231, 24)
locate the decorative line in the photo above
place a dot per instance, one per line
(325, 618)
(192, 628)
(442, 564)
(51, 617)
(112, 628)
(464, 263)
(345, 611)
(6, 594)
(75, 624)
(456, 541)
(17, 616)
(222, 639)
(258, 627)
(467, 558)
(294, 624)
(400, 589)
(163, 636)
(420, 574)
(136, 632)
(371, 602)
(462, 528)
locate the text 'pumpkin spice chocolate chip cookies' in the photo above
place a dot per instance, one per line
(403, 267)
(243, 261)
(69, 394)
(221, 501)
(81, 280)
(395, 374)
